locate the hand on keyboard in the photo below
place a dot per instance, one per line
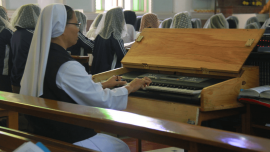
(113, 81)
(137, 84)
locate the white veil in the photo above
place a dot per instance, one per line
(51, 24)
(217, 21)
(92, 30)
(115, 23)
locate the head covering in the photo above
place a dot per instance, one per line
(166, 23)
(26, 16)
(232, 24)
(92, 30)
(115, 24)
(138, 23)
(4, 21)
(51, 24)
(196, 23)
(149, 20)
(217, 21)
(253, 25)
(182, 20)
(81, 19)
(235, 20)
(266, 24)
(130, 17)
(252, 20)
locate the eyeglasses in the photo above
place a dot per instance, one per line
(77, 24)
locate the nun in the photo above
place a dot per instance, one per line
(109, 45)
(196, 23)
(253, 25)
(6, 32)
(217, 21)
(233, 22)
(84, 46)
(51, 73)
(138, 23)
(166, 23)
(91, 34)
(24, 20)
(253, 20)
(266, 24)
(182, 20)
(130, 18)
(149, 20)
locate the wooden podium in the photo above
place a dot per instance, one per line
(211, 53)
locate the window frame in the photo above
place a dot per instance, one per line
(144, 6)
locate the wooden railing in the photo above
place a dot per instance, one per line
(189, 137)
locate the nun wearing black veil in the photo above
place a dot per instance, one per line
(109, 45)
(6, 32)
(24, 19)
(51, 73)
(84, 46)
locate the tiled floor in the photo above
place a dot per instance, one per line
(150, 146)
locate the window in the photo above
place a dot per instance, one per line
(135, 5)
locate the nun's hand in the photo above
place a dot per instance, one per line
(113, 81)
(137, 84)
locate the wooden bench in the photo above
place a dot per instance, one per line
(12, 118)
(189, 137)
(12, 139)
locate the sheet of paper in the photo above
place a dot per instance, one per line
(261, 88)
(28, 147)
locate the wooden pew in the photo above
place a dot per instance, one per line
(81, 59)
(12, 118)
(12, 139)
(189, 137)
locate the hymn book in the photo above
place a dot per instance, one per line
(257, 92)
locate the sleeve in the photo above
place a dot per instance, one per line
(73, 79)
(86, 43)
(118, 46)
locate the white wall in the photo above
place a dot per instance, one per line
(182, 5)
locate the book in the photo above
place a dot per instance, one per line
(257, 92)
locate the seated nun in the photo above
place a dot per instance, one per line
(233, 22)
(91, 34)
(138, 23)
(266, 24)
(253, 25)
(52, 73)
(217, 21)
(253, 20)
(6, 31)
(84, 46)
(130, 18)
(109, 45)
(24, 19)
(182, 20)
(166, 23)
(149, 20)
(196, 23)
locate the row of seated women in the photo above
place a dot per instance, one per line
(35, 45)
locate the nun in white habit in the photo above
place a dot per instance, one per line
(51, 73)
